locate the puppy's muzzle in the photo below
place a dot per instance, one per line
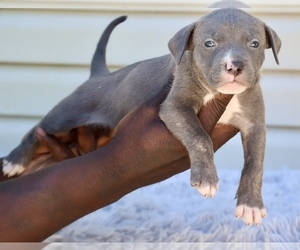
(234, 68)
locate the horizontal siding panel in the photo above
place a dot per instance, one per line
(69, 38)
(12, 130)
(282, 150)
(281, 95)
(33, 91)
(145, 5)
(49, 37)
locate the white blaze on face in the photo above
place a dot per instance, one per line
(230, 84)
(228, 60)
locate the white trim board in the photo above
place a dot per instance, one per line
(168, 6)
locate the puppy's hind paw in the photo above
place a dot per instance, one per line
(11, 169)
(250, 215)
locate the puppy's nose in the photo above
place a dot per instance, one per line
(235, 68)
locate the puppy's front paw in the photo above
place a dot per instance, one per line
(205, 181)
(11, 169)
(250, 215)
(207, 190)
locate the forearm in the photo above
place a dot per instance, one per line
(37, 205)
(142, 152)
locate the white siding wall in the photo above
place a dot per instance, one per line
(46, 48)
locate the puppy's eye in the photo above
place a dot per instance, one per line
(209, 44)
(254, 44)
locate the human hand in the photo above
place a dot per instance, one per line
(53, 149)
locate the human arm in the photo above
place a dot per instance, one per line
(141, 152)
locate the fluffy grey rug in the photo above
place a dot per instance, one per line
(171, 211)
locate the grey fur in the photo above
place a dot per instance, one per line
(197, 73)
(228, 4)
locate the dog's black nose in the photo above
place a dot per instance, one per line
(235, 68)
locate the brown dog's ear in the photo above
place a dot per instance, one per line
(178, 43)
(273, 41)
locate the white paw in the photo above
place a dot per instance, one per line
(207, 190)
(11, 169)
(250, 215)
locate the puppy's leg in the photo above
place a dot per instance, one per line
(15, 163)
(250, 205)
(179, 113)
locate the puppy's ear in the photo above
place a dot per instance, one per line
(178, 43)
(273, 41)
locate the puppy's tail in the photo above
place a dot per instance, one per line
(98, 65)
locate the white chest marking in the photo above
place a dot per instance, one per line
(208, 97)
(232, 108)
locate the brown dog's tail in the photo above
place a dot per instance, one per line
(98, 65)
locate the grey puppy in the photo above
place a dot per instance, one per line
(221, 53)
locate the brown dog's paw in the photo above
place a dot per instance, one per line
(250, 215)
